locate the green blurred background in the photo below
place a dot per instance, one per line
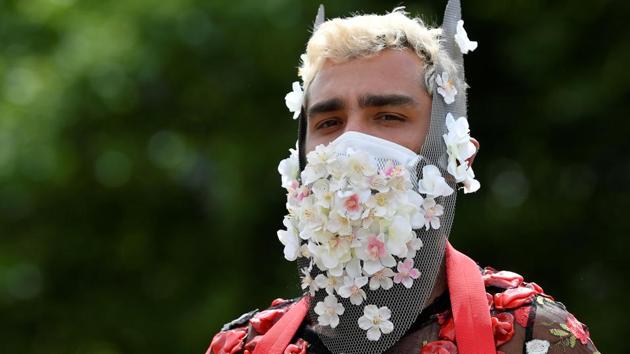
(139, 197)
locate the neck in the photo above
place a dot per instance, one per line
(440, 285)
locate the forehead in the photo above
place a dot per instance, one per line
(391, 71)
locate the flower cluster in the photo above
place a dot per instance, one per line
(354, 221)
(295, 99)
(460, 149)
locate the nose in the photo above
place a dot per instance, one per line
(356, 123)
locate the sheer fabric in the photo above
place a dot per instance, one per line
(524, 320)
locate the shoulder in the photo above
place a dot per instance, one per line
(553, 326)
(527, 320)
(243, 333)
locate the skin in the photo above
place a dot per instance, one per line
(382, 95)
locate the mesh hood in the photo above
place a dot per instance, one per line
(404, 303)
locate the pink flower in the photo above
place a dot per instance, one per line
(298, 348)
(447, 329)
(376, 248)
(262, 321)
(578, 329)
(228, 342)
(537, 288)
(513, 298)
(406, 273)
(502, 279)
(439, 347)
(352, 203)
(251, 345)
(279, 301)
(521, 315)
(503, 328)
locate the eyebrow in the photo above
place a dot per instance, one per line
(385, 100)
(369, 100)
(331, 105)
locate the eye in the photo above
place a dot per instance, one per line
(390, 117)
(327, 123)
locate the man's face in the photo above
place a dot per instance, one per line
(382, 95)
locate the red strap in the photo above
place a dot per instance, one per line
(276, 340)
(471, 313)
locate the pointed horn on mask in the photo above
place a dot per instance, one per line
(320, 18)
(452, 14)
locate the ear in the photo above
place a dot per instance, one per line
(472, 158)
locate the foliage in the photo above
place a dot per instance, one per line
(139, 197)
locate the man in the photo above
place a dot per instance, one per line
(383, 146)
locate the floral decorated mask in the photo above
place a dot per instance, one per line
(368, 219)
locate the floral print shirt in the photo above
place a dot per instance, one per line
(524, 320)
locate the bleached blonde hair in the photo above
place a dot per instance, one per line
(343, 39)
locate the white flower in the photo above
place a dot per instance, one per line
(446, 87)
(321, 155)
(382, 279)
(318, 161)
(351, 288)
(410, 205)
(382, 204)
(413, 246)
(289, 238)
(360, 165)
(432, 212)
(378, 182)
(289, 169)
(330, 283)
(465, 174)
(398, 234)
(471, 185)
(332, 250)
(406, 273)
(304, 252)
(339, 224)
(459, 128)
(310, 217)
(323, 196)
(312, 173)
(461, 37)
(295, 99)
(537, 346)
(376, 321)
(329, 311)
(398, 176)
(308, 282)
(337, 271)
(432, 183)
(458, 143)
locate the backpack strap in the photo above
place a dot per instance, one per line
(471, 313)
(279, 336)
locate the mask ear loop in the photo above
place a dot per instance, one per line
(319, 19)
(302, 124)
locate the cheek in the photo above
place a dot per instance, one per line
(420, 137)
(418, 134)
(412, 136)
(313, 140)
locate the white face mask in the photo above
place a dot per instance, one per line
(376, 147)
